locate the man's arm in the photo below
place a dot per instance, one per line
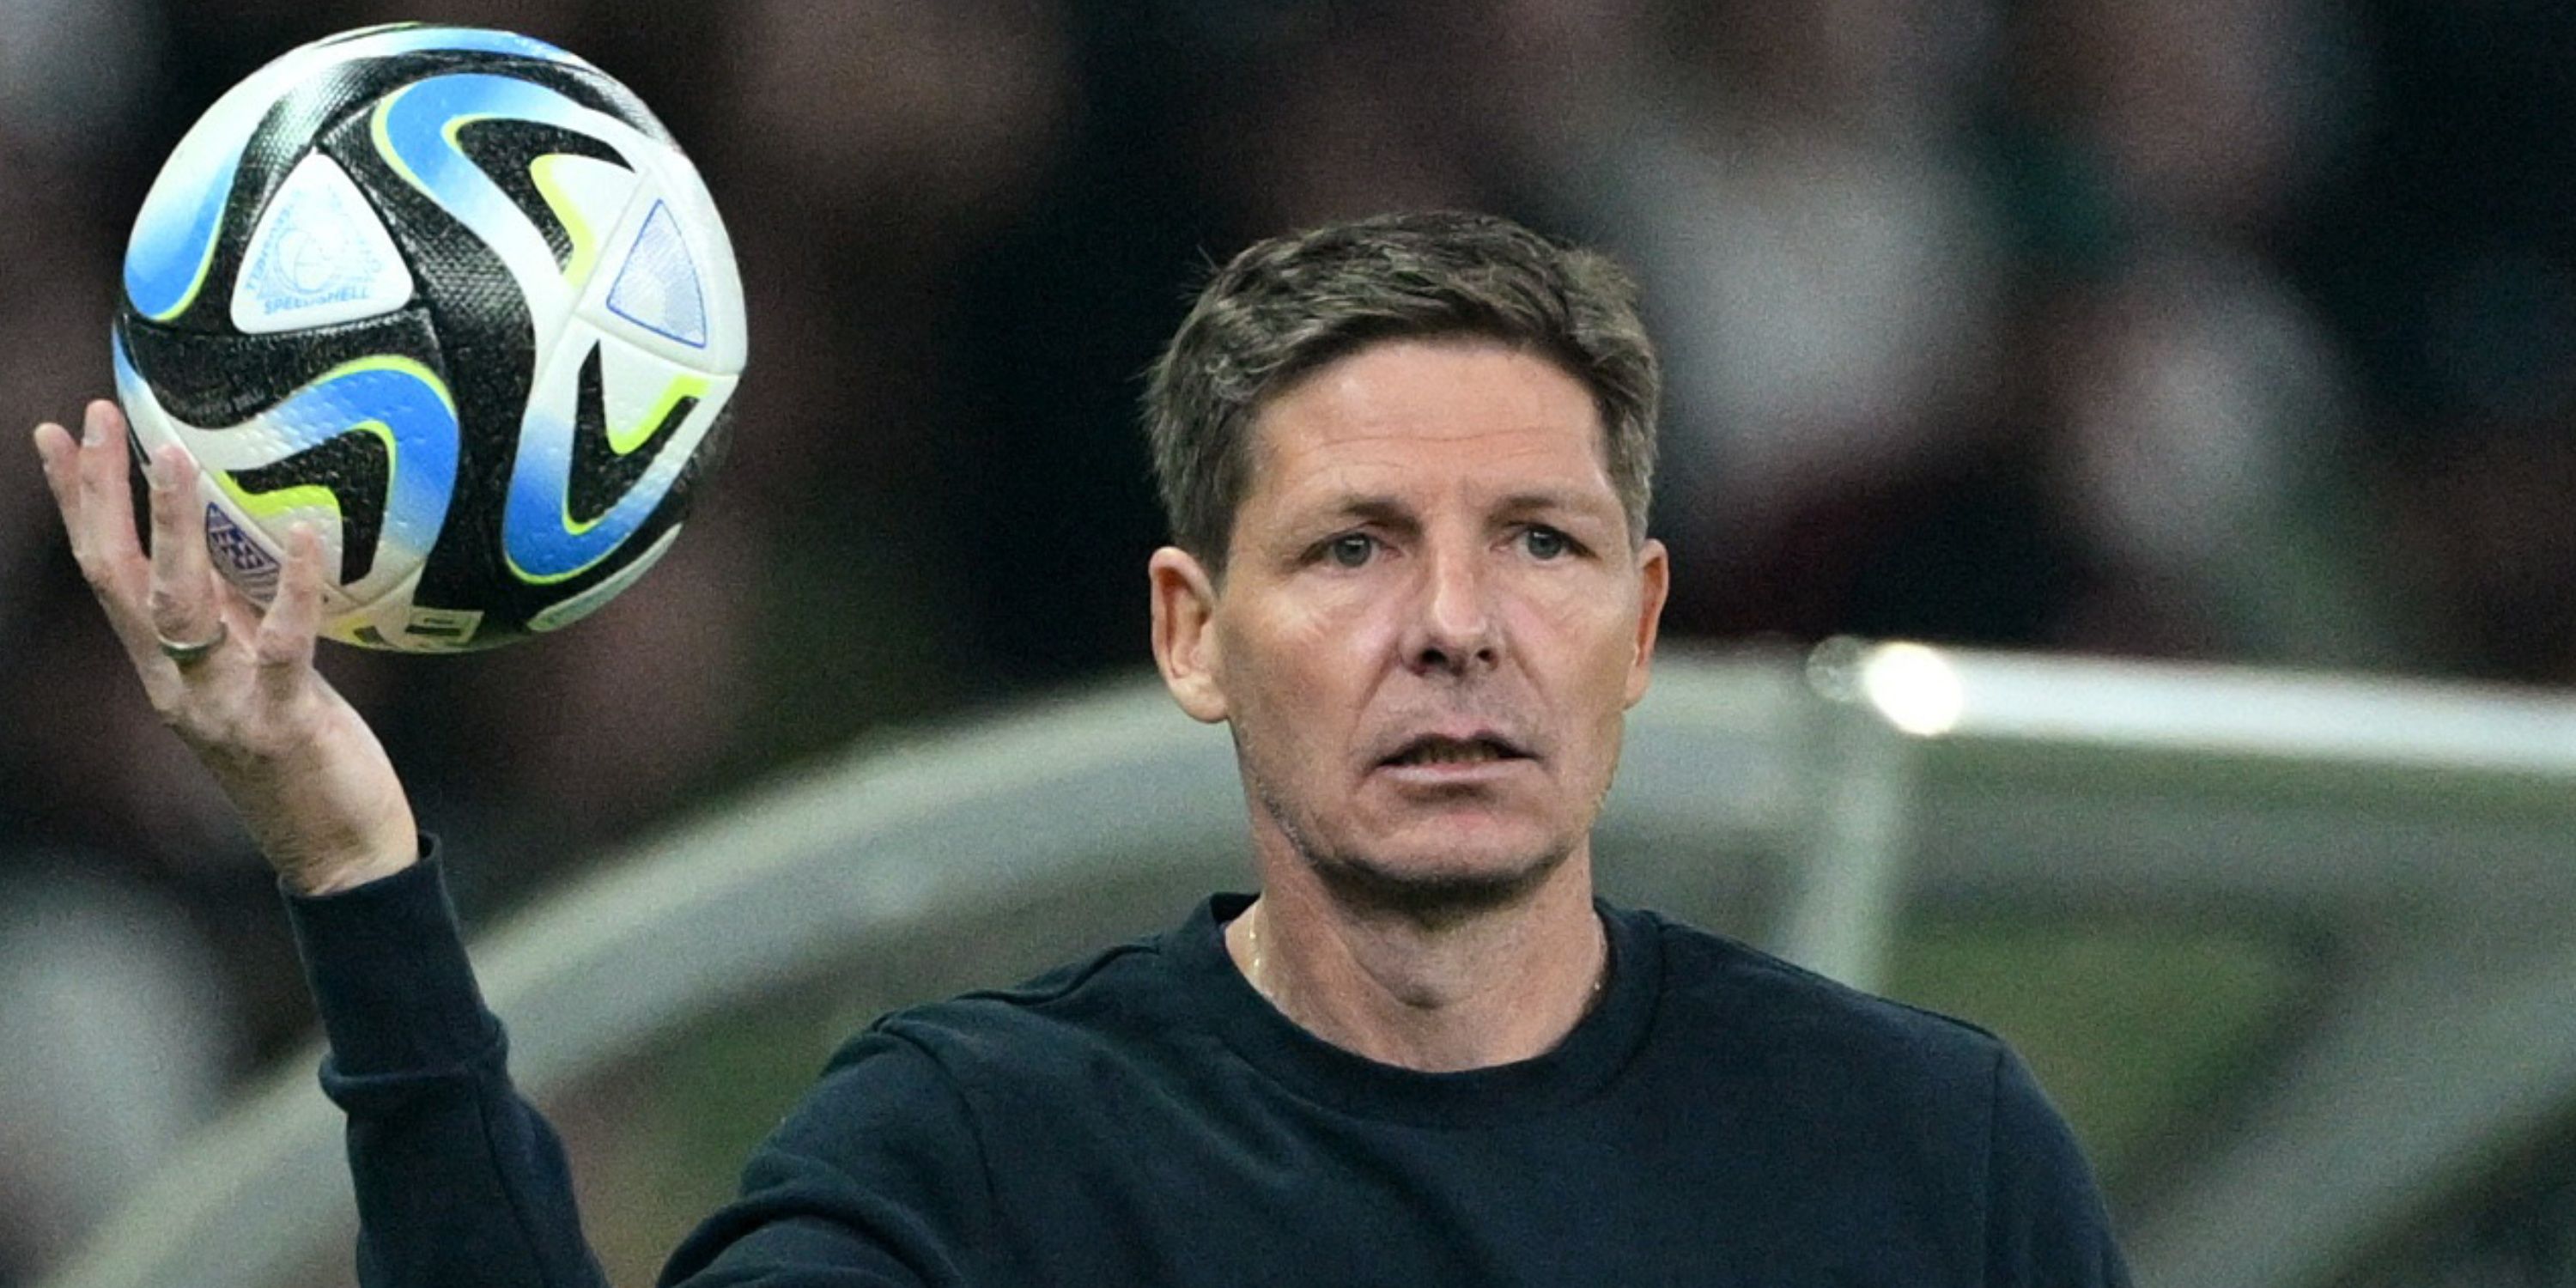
(458, 1180)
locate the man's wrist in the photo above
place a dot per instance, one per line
(332, 876)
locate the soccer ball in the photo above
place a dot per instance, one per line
(456, 299)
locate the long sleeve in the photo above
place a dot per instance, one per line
(459, 1180)
(875, 1181)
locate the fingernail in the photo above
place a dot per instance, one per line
(162, 472)
(93, 426)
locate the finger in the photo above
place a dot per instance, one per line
(285, 647)
(118, 584)
(185, 606)
(107, 499)
(59, 455)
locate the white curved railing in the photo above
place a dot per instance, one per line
(1797, 802)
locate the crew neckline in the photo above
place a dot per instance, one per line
(1592, 1055)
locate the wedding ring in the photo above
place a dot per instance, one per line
(183, 653)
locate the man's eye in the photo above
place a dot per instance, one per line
(1546, 543)
(1351, 549)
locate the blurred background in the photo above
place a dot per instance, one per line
(2231, 331)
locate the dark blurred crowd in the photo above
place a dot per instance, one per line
(2223, 329)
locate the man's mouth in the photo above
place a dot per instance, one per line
(1437, 749)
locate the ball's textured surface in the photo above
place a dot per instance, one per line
(455, 298)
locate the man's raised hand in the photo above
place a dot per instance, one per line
(237, 685)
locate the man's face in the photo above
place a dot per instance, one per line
(1431, 623)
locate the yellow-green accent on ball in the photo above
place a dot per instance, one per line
(448, 131)
(585, 239)
(196, 284)
(625, 441)
(302, 496)
(268, 505)
(392, 362)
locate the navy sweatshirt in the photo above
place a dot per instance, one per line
(1144, 1117)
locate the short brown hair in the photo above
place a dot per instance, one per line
(1287, 306)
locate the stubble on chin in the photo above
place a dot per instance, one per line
(1428, 890)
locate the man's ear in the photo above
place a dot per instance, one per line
(1185, 644)
(1655, 581)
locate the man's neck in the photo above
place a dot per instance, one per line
(1491, 987)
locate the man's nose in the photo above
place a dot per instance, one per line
(1452, 628)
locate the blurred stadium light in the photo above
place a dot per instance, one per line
(1822, 805)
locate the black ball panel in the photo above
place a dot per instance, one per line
(355, 469)
(215, 381)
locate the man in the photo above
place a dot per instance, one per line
(1406, 462)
